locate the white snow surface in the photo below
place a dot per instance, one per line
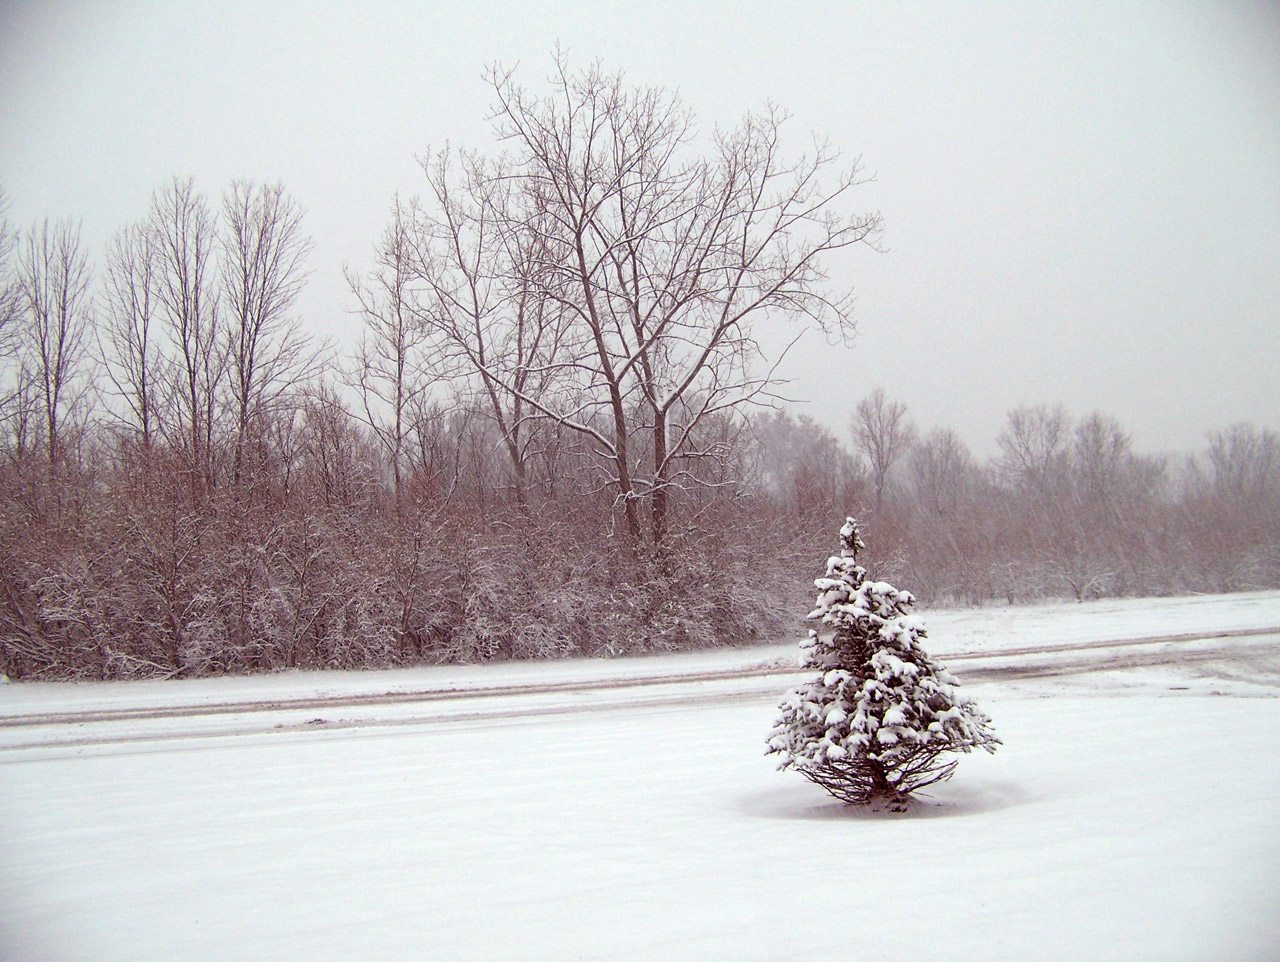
(541, 813)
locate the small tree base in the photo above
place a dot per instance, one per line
(857, 788)
(863, 781)
(896, 804)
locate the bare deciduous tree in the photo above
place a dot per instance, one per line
(1034, 443)
(263, 269)
(662, 260)
(942, 473)
(1104, 464)
(127, 335)
(1102, 447)
(390, 367)
(478, 244)
(882, 433)
(803, 463)
(181, 230)
(1245, 461)
(339, 457)
(53, 274)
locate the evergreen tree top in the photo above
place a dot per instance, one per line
(850, 541)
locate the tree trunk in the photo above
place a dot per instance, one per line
(660, 478)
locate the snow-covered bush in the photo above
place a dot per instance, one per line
(881, 719)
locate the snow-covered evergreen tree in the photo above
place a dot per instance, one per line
(881, 719)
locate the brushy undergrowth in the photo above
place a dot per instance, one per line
(111, 583)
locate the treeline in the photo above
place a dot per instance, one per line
(1066, 510)
(118, 560)
(190, 485)
(553, 438)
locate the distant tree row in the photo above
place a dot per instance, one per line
(1065, 510)
(554, 436)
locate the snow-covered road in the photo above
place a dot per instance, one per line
(624, 810)
(1257, 648)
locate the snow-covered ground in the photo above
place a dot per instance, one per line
(625, 809)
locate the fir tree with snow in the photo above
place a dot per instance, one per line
(881, 719)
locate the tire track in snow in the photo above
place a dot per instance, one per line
(325, 702)
(137, 727)
(138, 742)
(331, 702)
(1121, 660)
(1183, 637)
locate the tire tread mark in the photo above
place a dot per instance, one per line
(494, 691)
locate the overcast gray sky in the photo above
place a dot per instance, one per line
(1082, 200)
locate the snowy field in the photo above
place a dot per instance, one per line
(625, 809)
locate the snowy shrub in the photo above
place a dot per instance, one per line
(881, 718)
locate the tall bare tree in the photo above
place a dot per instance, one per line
(478, 243)
(803, 463)
(1245, 461)
(1034, 444)
(390, 367)
(1103, 451)
(181, 230)
(942, 471)
(11, 393)
(128, 332)
(53, 274)
(660, 260)
(883, 434)
(263, 270)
